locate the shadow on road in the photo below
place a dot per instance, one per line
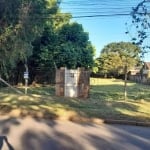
(49, 141)
(41, 134)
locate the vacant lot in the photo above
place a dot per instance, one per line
(106, 101)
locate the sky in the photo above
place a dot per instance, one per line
(104, 20)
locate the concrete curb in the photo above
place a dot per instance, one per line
(109, 121)
(79, 119)
(127, 122)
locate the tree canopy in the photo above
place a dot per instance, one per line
(37, 33)
(67, 46)
(21, 22)
(75, 49)
(115, 56)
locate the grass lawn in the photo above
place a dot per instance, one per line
(106, 101)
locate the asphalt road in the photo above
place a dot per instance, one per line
(36, 134)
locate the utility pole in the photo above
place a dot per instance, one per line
(125, 79)
(125, 83)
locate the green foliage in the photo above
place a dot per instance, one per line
(64, 45)
(43, 49)
(95, 67)
(21, 22)
(115, 56)
(35, 31)
(74, 48)
(66, 56)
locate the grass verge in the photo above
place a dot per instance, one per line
(105, 102)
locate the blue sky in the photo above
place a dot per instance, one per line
(103, 29)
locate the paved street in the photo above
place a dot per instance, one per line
(35, 134)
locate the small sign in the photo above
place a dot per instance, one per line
(26, 75)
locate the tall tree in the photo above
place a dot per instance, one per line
(46, 45)
(75, 49)
(119, 57)
(62, 44)
(110, 64)
(21, 22)
(67, 45)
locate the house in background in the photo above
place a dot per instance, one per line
(140, 74)
(135, 74)
(146, 72)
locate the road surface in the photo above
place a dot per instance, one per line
(38, 134)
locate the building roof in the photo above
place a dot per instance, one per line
(147, 64)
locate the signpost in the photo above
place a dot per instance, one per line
(26, 76)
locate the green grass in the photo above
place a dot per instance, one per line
(106, 101)
(112, 89)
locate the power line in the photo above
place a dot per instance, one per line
(94, 8)
(104, 15)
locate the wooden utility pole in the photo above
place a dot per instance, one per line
(125, 83)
